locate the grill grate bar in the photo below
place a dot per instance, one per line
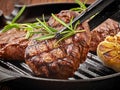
(81, 75)
(94, 58)
(18, 69)
(15, 68)
(99, 66)
(94, 69)
(3, 64)
(93, 74)
(100, 70)
(26, 67)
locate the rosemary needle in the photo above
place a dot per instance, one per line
(19, 14)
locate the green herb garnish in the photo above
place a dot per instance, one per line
(51, 32)
(12, 24)
(46, 31)
(82, 6)
(70, 29)
(29, 27)
(18, 15)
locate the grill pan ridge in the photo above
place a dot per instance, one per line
(91, 75)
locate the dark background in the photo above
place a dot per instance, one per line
(8, 5)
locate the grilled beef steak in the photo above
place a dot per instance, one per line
(48, 60)
(12, 45)
(61, 61)
(109, 27)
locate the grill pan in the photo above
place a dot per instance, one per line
(91, 75)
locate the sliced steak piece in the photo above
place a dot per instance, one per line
(109, 27)
(13, 44)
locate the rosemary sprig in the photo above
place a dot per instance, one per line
(45, 37)
(45, 26)
(29, 27)
(25, 26)
(51, 32)
(70, 29)
(82, 6)
(19, 14)
(48, 32)
(12, 24)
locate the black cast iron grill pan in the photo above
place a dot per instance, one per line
(91, 75)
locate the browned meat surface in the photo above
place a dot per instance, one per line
(109, 27)
(12, 45)
(61, 61)
(64, 15)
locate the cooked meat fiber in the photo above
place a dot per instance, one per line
(61, 61)
(109, 27)
(12, 45)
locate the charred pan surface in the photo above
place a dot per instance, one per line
(12, 45)
(109, 27)
(61, 61)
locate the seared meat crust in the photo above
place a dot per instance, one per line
(64, 15)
